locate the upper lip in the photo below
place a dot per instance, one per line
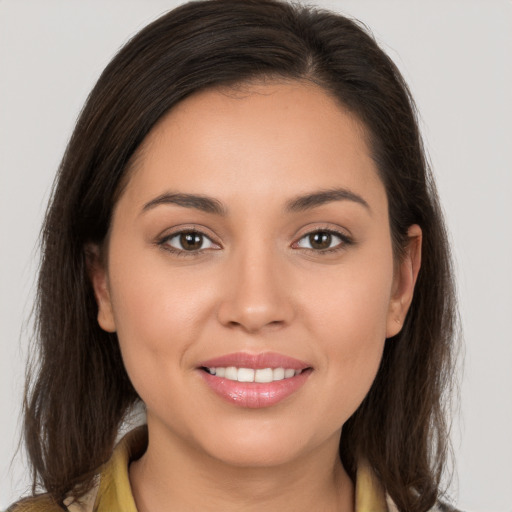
(255, 361)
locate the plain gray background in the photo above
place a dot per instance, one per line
(456, 56)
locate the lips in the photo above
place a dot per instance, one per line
(254, 380)
(263, 360)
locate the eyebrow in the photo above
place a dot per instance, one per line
(298, 204)
(315, 199)
(198, 202)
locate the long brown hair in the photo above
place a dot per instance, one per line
(80, 392)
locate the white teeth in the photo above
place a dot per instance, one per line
(261, 375)
(264, 375)
(231, 373)
(245, 375)
(289, 373)
(278, 373)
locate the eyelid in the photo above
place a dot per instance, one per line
(346, 240)
(163, 239)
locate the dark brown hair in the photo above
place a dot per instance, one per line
(80, 392)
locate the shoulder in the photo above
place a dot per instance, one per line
(43, 503)
(110, 487)
(440, 506)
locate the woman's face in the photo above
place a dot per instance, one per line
(252, 235)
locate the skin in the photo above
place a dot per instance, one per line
(256, 287)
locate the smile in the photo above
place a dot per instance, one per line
(261, 375)
(255, 380)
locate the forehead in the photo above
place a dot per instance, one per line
(260, 139)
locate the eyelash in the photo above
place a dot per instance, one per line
(164, 242)
(344, 242)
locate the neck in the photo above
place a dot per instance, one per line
(174, 476)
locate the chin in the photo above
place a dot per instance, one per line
(258, 445)
(269, 454)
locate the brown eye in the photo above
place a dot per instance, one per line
(322, 240)
(188, 241)
(191, 241)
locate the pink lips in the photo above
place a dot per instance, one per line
(254, 394)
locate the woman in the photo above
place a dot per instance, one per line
(244, 237)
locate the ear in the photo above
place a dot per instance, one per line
(404, 281)
(98, 275)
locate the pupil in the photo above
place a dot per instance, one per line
(320, 240)
(191, 241)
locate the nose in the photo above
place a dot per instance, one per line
(255, 293)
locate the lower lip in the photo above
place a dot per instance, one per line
(255, 395)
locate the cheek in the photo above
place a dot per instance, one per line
(151, 296)
(157, 313)
(352, 301)
(349, 318)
